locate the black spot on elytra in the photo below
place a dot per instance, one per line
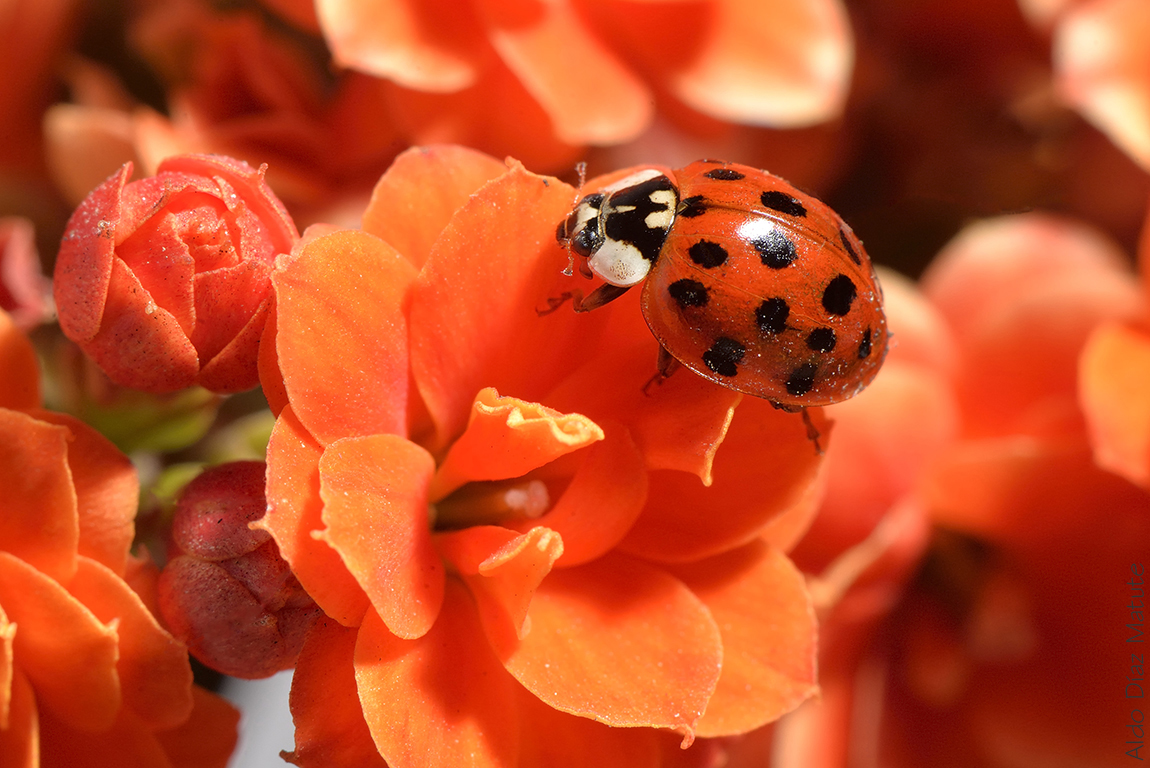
(772, 315)
(783, 203)
(724, 174)
(691, 207)
(688, 293)
(775, 249)
(802, 379)
(630, 226)
(850, 249)
(707, 254)
(864, 345)
(821, 340)
(724, 356)
(839, 295)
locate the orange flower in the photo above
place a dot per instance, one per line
(164, 282)
(515, 545)
(551, 76)
(86, 673)
(1012, 641)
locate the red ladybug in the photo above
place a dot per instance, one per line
(749, 282)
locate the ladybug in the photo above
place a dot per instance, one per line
(749, 282)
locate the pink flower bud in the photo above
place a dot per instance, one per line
(165, 281)
(226, 592)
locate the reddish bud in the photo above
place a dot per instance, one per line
(226, 592)
(165, 282)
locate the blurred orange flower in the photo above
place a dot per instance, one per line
(86, 673)
(24, 290)
(1102, 69)
(515, 545)
(548, 77)
(1011, 641)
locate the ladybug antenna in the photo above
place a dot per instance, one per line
(581, 170)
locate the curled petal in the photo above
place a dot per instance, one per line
(84, 263)
(555, 57)
(107, 492)
(765, 467)
(473, 325)
(601, 502)
(1113, 375)
(760, 602)
(39, 523)
(419, 193)
(67, 653)
(374, 491)
(648, 654)
(342, 300)
(20, 384)
(330, 729)
(507, 437)
(503, 570)
(442, 699)
(155, 676)
(294, 516)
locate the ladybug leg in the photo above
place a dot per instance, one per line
(664, 367)
(813, 433)
(604, 294)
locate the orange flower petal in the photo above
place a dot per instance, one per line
(295, 514)
(374, 491)
(760, 602)
(207, 738)
(1024, 492)
(776, 63)
(425, 45)
(601, 502)
(69, 656)
(107, 492)
(474, 326)
(155, 676)
(884, 439)
(271, 378)
(20, 736)
(20, 384)
(550, 50)
(621, 642)
(440, 700)
(1022, 294)
(765, 467)
(1113, 373)
(419, 193)
(1103, 69)
(678, 423)
(502, 570)
(507, 437)
(39, 521)
(330, 729)
(127, 741)
(558, 740)
(342, 300)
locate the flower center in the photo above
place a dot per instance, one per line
(492, 503)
